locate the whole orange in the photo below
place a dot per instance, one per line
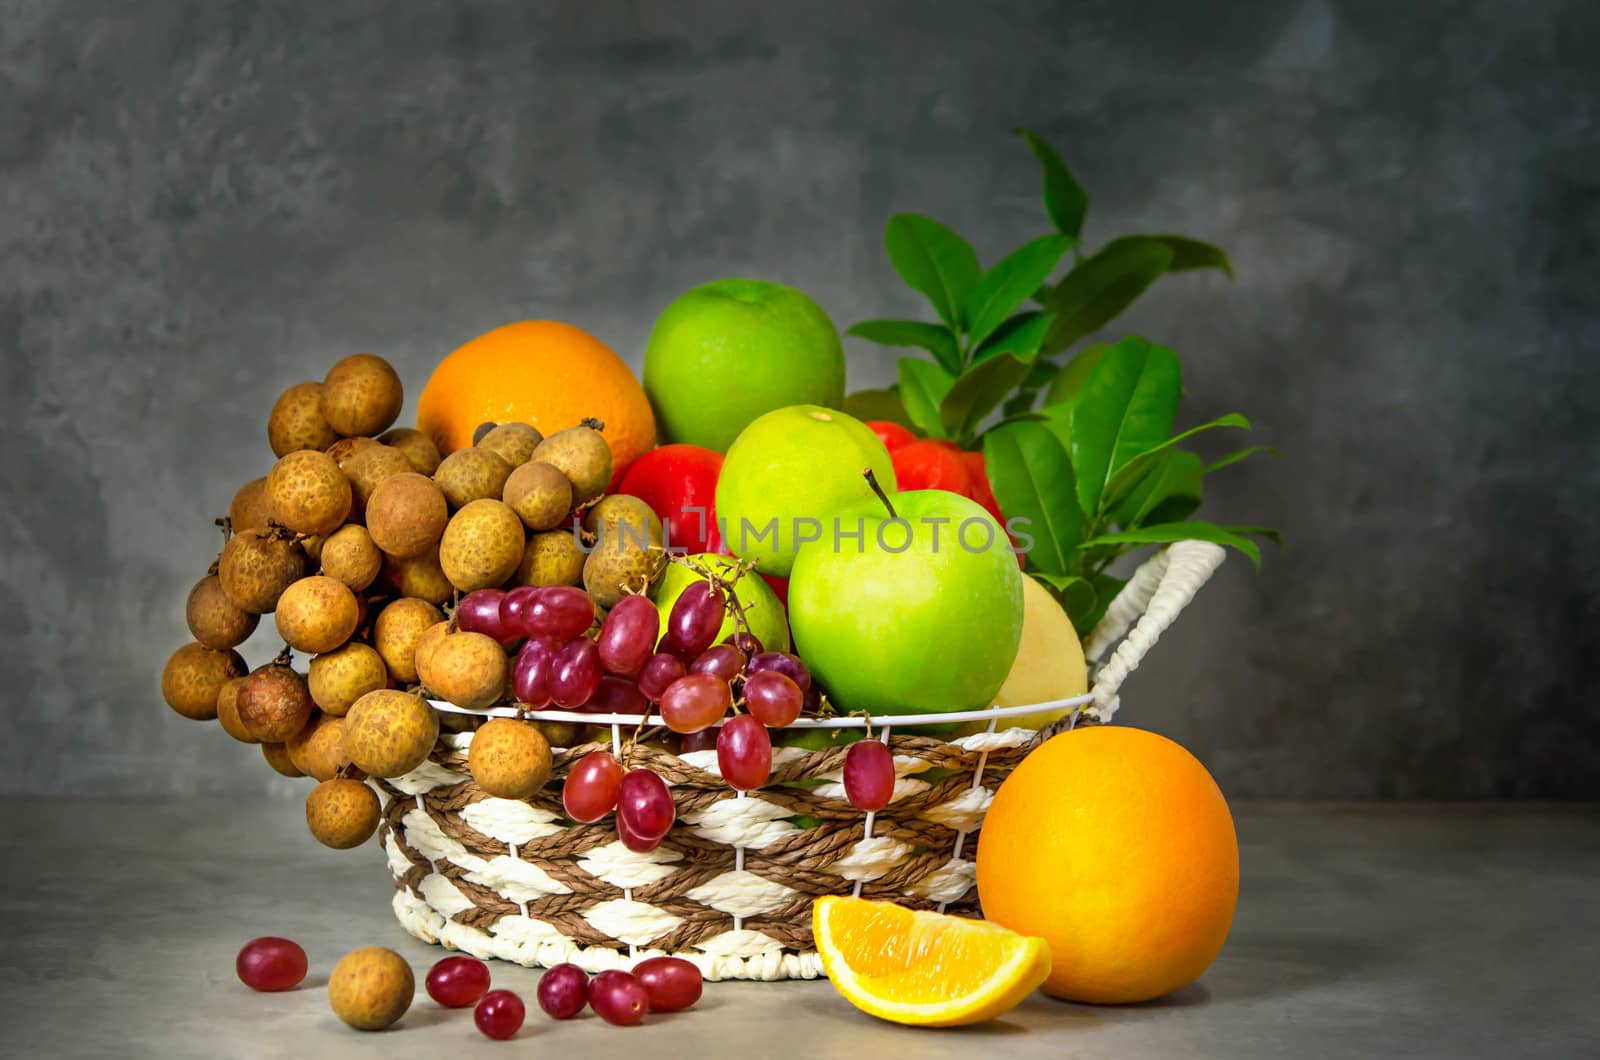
(542, 372)
(1116, 846)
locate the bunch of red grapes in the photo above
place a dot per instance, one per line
(726, 695)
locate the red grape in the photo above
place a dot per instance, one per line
(694, 702)
(479, 612)
(868, 775)
(514, 608)
(457, 982)
(671, 983)
(530, 676)
(617, 695)
(643, 798)
(773, 699)
(788, 665)
(563, 991)
(696, 616)
(271, 964)
(575, 672)
(560, 612)
(658, 673)
(748, 643)
(722, 660)
(744, 753)
(704, 740)
(590, 791)
(632, 840)
(499, 1015)
(628, 635)
(618, 998)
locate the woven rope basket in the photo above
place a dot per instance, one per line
(731, 887)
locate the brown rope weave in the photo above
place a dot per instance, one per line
(800, 861)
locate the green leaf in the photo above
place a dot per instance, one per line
(1172, 485)
(1106, 589)
(1076, 595)
(1064, 198)
(1043, 371)
(939, 341)
(1020, 335)
(923, 386)
(877, 405)
(1192, 254)
(1103, 285)
(1069, 380)
(1000, 290)
(1235, 457)
(1260, 531)
(978, 391)
(1124, 476)
(933, 260)
(1193, 530)
(1125, 407)
(1032, 479)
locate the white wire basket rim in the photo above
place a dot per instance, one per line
(841, 722)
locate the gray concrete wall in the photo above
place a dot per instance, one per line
(201, 203)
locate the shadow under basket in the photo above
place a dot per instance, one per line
(731, 886)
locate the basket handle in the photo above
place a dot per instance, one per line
(1150, 602)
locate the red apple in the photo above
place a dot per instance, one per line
(679, 483)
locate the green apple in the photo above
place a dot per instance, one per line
(785, 475)
(727, 351)
(920, 615)
(762, 608)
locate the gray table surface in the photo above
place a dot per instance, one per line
(1362, 931)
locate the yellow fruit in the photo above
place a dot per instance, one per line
(1049, 663)
(482, 545)
(249, 509)
(350, 555)
(342, 813)
(1115, 845)
(509, 759)
(317, 614)
(396, 632)
(418, 447)
(193, 679)
(277, 757)
(389, 733)
(924, 969)
(514, 442)
(308, 493)
(338, 678)
(371, 988)
(361, 395)
(296, 422)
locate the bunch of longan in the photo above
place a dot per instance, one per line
(357, 541)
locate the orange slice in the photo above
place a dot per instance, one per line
(924, 969)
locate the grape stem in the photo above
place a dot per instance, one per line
(872, 480)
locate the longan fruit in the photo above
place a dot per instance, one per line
(249, 509)
(467, 669)
(308, 493)
(345, 448)
(371, 988)
(277, 757)
(214, 620)
(351, 556)
(515, 442)
(418, 447)
(540, 495)
(338, 678)
(311, 545)
(623, 518)
(426, 643)
(407, 514)
(481, 431)
(297, 422)
(228, 711)
(342, 813)
(361, 395)
(317, 614)
(560, 733)
(367, 468)
(583, 456)
(418, 576)
(395, 635)
(468, 475)
(389, 733)
(551, 558)
(482, 545)
(256, 566)
(318, 749)
(274, 703)
(509, 759)
(193, 678)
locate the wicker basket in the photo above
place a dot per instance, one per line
(731, 887)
